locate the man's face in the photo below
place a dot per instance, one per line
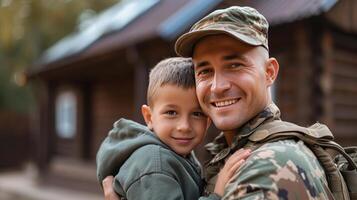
(177, 119)
(231, 80)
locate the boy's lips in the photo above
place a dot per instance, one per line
(183, 140)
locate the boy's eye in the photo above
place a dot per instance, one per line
(171, 112)
(199, 114)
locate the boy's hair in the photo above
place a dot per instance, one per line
(175, 71)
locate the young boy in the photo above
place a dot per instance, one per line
(156, 161)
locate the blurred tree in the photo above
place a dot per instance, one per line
(27, 28)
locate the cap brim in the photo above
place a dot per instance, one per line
(185, 44)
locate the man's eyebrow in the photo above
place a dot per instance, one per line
(201, 64)
(228, 57)
(234, 56)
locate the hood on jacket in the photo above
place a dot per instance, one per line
(126, 137)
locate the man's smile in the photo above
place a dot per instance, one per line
(224, 103)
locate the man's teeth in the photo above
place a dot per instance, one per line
(225, 103)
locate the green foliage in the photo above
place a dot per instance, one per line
(27, 28)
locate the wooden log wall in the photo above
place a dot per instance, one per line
(111, 101)
(344, 87)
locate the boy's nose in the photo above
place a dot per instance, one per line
(184, 126)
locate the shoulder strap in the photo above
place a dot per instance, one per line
(319, 139)
(271, 129)
(317, 134)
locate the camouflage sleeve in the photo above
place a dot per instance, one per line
(279, 170)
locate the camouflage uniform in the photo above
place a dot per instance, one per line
(285, 169)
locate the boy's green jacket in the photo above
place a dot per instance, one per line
(146, 168)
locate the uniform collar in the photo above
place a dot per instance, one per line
(219, 147)
(269, 114)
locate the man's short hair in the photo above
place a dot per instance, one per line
(175, 71)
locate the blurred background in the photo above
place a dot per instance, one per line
(70, 68)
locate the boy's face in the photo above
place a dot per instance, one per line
(176, 118)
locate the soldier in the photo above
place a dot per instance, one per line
(234, 74)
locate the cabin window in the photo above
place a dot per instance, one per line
(66, 115)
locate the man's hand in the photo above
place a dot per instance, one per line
(109, 193)
(229, 170)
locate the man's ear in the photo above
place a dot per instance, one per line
(271, 70)
(146, 112)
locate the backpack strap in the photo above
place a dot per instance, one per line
(315, 132)
(349, 175)
(319, 139)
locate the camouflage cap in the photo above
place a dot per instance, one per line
(243, 23)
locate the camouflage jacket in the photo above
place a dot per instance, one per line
(285, 169)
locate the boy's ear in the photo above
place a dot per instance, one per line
(146, 112)
(271, 70)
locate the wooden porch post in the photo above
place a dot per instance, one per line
(141, 77)
(42, 133)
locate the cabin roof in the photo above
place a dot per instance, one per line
(134, 21)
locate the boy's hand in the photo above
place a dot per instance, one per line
(230, 168)
(109, 193)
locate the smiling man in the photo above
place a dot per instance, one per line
(234, 74)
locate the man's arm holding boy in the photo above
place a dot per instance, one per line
(109, 193)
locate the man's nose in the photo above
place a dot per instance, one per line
(219, 83)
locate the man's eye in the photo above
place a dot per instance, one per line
(203, 72)
(235, 65)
